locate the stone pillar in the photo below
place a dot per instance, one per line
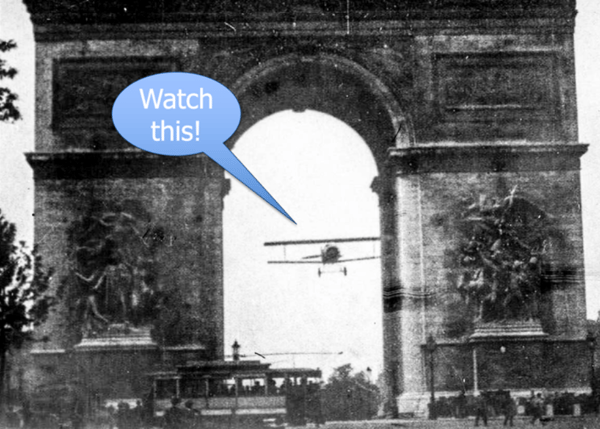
(384, 186)
(176, 204)
(430, 183)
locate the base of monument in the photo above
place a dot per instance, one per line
(508, 330)
(118, 336)
(112, 365)
(416, 404)
(413, 404)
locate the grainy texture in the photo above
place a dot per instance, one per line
(454, 99)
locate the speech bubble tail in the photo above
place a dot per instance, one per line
(226, 159)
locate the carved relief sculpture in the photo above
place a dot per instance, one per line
(113, 281)
(503, 247)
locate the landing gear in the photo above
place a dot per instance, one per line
(332, 270)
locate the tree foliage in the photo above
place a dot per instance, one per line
(8, 110)
(349, 395)
(25, 300)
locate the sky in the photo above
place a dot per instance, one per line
(320, 171)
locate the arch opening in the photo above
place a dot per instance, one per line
(320, 171)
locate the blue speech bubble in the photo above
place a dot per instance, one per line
(181, 114)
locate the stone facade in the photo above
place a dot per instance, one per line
(454, 98)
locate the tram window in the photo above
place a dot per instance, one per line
(192, 388)
(257, 388)
(251, 387)
(221, 388)
(166, 389)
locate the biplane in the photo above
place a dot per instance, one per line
(330, 254)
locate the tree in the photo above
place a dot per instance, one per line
(8, 110)
(349, 396)
(24, 294)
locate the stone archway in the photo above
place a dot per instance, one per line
(344, 89)
(490, 92)
(329, 84)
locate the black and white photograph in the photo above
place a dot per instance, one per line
(259, 214)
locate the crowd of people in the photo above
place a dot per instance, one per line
(127, 417)
(303, 404)
(22, 417)
(537, 407)
(482, 406)
(176, 417)
(123, 416)
(12, 419)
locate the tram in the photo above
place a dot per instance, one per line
(244, 393)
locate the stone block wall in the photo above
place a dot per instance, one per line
(455, 100)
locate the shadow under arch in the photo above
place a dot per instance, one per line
(325, 83)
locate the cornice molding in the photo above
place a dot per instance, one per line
(452, 158)
(50, 30)
(119, 164)
(128, 11)
(183, 18)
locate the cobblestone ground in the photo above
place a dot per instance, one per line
(588, 422)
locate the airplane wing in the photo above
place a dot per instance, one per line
(321, 262)
(320, 241)
(366, 258)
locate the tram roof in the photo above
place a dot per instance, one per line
(220, 369)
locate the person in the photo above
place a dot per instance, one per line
(313, 404)
(537, 408)
(481, 411)
(192, 416)
(124, 416)
(137, 415)
(13, 421)
(175, 417)
(111, 417)
(510, 411)
(461, 405)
